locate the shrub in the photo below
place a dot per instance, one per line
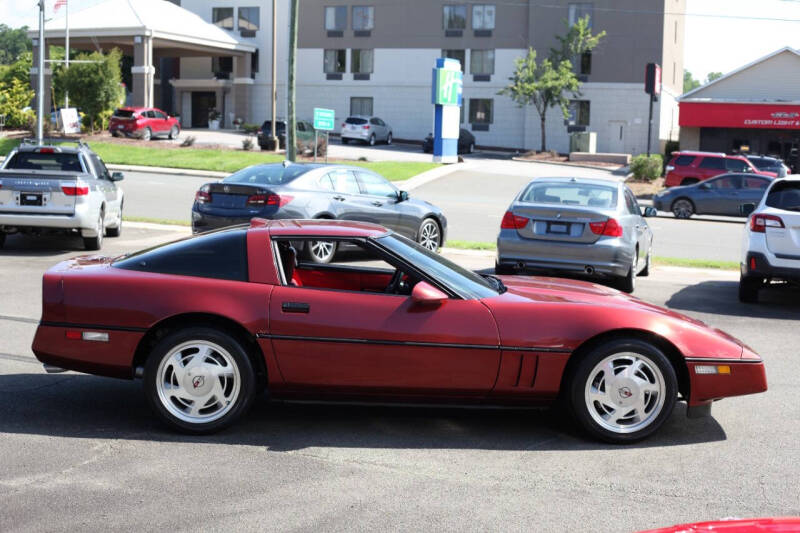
(15, 97)
(188, 141)
(647, 168)
(306, 146)
(249, 128)
(247, 144)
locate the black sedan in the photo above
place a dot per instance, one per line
(721, 195)
(288, 190)
(466, 142)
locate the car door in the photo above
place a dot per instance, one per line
(378, 199)
(633, 220)
(353, 342)
(160, 122)
(347, 193)
(384, 128)
(724, 197)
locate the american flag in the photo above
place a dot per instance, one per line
(58, 4)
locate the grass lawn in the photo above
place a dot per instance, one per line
(221, 160)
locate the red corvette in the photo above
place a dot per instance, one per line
(209, 321)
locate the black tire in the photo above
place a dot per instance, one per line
(628, 283)
(646, 270)
(586, 374)
(471, 149)
(96, 242)
(314, 251)
(174, 132)
(429, 234)
(748, 288)
(147, 134)
(240, 404)
(371, 140)
(345, 141)
(682, 208)
(2, 239)
(504, 270)
(389, 138)
(114, 133)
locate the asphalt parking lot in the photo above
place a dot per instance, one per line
(82, 452)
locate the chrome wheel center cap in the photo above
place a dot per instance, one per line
(197, 383)
(625, 392)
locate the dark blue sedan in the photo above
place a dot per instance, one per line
(290, 190)
(720, 195)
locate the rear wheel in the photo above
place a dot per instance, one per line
(345, 141)
(174, 132)
(199, 380)
(321, 251)
(623, 390)
(372, 140)
(146, 134)
(748, 289)
(2, 239)
(429, 235)
(389, 138)
(96, 242)
(628, 282)
(471, 148)
(682, 208)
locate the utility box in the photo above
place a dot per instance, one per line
(583, 141)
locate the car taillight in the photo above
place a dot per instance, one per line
(759, 223)
(512, 221)
(203, 195)
(77, 190)
(366, 127)
(275, 199)
(609, 228)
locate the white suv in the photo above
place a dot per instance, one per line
(771, 244)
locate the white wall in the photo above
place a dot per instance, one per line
(777, 78)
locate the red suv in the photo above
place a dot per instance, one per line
(687, 167)
(143, 122)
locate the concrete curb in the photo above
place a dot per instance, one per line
(521, 160)
(431, 175)
(172, 171)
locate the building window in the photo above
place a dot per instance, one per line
(455, 17)
(249, 18)
(254, 64)
(579, 112)
(483, 17)
(363, 18)
(361, 105)
(222, 67)
(480, 111)
(361, 61)
(222, 17)
(585, 64)
(579, 11)
(481, 62)
(460, 55)
(335, 61)
(336, 18)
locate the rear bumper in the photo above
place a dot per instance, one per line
(765, 269)
(356, 135)
(606, 257)
(82, 218)
(204, 222)
(747, 376)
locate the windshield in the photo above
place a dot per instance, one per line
(279, 126)
(268, 174)
(580, 194)
(785, 195)
(53, 161)
(457, 278)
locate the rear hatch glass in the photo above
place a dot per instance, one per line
(785, 195)
(356, 121)
(124, 113)
(55, 161)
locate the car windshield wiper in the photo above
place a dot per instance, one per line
(498, 285)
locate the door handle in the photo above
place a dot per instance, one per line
(377, 203)
(340, 198)
(295, 307)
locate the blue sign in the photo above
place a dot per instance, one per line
(446, 95)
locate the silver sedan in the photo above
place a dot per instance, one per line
(588, 227)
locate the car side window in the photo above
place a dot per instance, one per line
(736, 165)
(374, 122)
(684, 160)
(301, 126)
(725, 183)
(325, 182)
(99, 167)
(630, 203)
(375, 185)
(159, 114)
(716, 163)
(344, 181)
(755, 183)
(147, 114)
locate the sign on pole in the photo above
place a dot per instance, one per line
(324, 119)
(446, 96)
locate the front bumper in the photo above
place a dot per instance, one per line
(746, 376)
(606, 257)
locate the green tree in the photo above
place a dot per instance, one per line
(14, 97)
(94, 87)
(19, 70)
(542, 85)
(713, 76)
(551, 82)
(689, 83)
(13, 43)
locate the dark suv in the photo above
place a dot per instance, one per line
(305, 132)
(687, 167)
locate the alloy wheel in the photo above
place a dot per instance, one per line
(198, 381)
(322, 251)
(682, 208)
(625, 392)
(146, 134)
(429, 235)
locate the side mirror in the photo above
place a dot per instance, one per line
(402, 196)
(649, 212)
(747, 209)
(705, 186)
(117, 176)
(428, 295)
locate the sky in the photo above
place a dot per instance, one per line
(721, 35)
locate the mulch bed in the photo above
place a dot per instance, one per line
(645, 189)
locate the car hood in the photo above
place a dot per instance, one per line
(577, 310)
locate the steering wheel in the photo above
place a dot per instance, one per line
(394, 283)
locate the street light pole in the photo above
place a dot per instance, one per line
(40, 75)
(291, 142)
(274, 98)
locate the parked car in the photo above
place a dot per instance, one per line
(55, 188)
(736, 525)
(370, 130)
(304, 132)
(285, 190)
(589, 227)
(207, 322)
(687, 167)
(722, 195)
(466, 142)
(771, 242)
(770, 164)
(144, 123)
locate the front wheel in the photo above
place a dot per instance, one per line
(199, 380)
(389, 138)
(429, 235)
(174, 132)
(146, 134)
(682, 208)
(623, 391)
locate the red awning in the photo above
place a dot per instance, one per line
(727, 115)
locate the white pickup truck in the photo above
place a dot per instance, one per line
(47, 188)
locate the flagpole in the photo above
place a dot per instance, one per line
(66, 53)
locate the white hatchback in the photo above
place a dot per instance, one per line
(771, 244)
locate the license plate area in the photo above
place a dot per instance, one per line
(558, 228)
(30, 198)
